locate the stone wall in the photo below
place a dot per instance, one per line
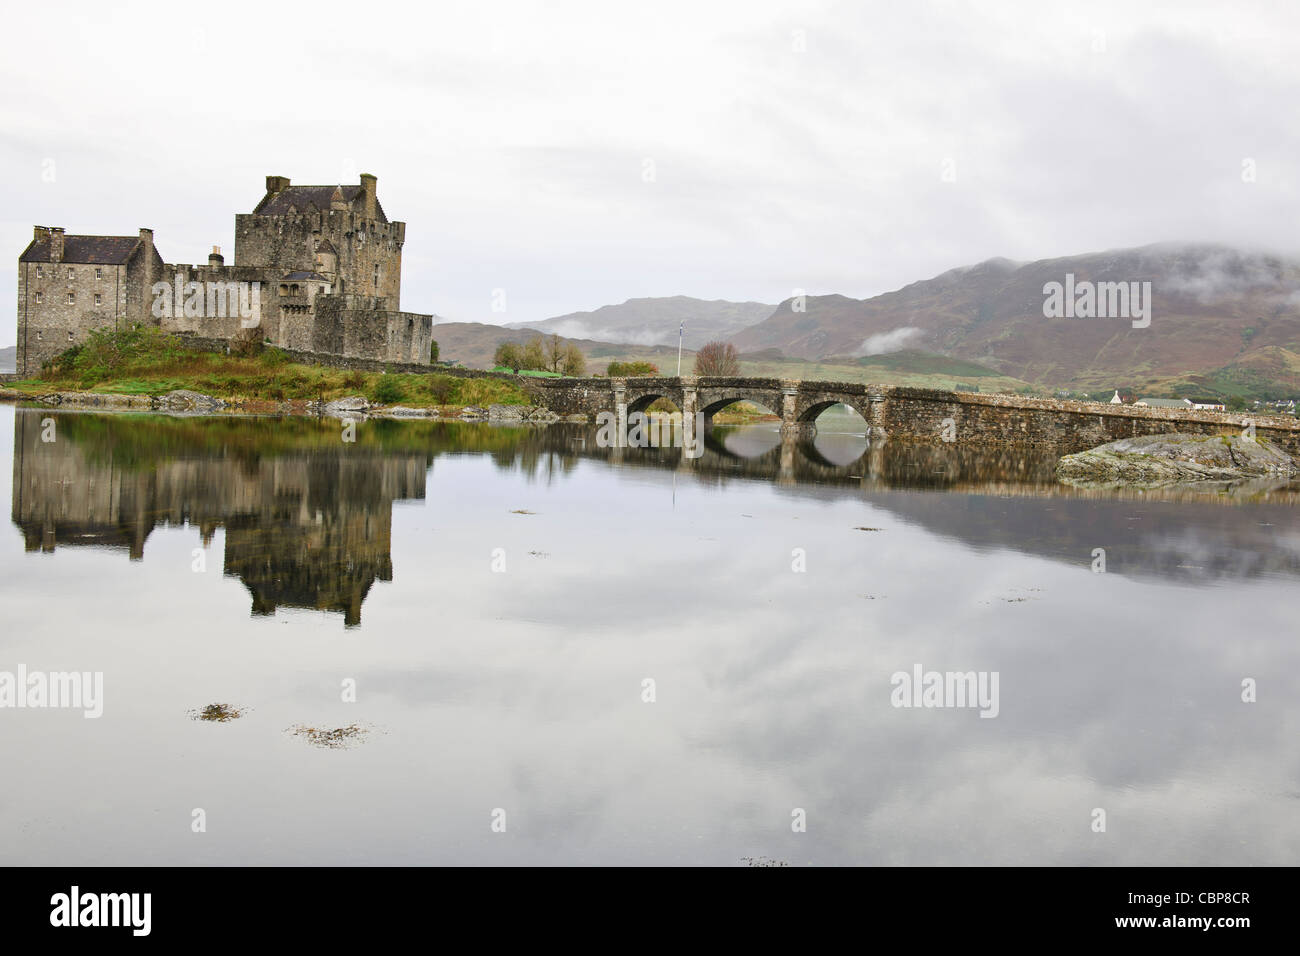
(364, 327)
(353, 363)
(53, 324)
(920, 414)
(284, 244)
(220, 308)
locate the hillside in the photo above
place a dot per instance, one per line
(473, 344)
(654, 321)
(8, 358)
(1221, 318)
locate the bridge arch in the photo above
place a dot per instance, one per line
(644, 401)
(809, 409)
(713, 400)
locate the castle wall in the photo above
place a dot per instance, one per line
(56, 325)
(363, 327)
(364, 248)
(212, 322)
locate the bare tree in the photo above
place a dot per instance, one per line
(717, 358)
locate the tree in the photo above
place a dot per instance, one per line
(433, 352)
(555, 352)
(508, 355)
(717, 358)
(575, 363)
(533, 356)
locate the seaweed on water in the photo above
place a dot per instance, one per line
(218, 712)
(336, 738)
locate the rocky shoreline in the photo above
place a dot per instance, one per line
(1177, 459)
(185, 402)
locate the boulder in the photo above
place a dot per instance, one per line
(1164, 459)
(349, 405)
(507, 413)
(473, 412)
(184, 400)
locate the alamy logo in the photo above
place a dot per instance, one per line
(103, 909)
(72, 690)
(921, 688)
(649, 431)
(209, 300)
(1098, 300)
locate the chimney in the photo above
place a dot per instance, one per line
(56, 243)
(40, 232)
(215, 259)
(371, 210)
(275, 184)
(146, 241)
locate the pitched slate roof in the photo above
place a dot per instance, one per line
(85, 250)
(300, 197)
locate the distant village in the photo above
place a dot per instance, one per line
(1285, 406)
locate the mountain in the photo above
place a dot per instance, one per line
(8, 358)
(474, 343)
(654, 321)
(1221, 318)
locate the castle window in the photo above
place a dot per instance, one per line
(284, 290)
(39, 336)
(69, 336)
(40, 273)
(39, 297)
(72, 298)
(99, 299)
(71, 274)
(99, 273)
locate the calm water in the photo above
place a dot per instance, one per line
(264, 562)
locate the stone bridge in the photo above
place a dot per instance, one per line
(908, 414)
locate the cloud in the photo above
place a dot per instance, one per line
(577, 329)
(895, 340)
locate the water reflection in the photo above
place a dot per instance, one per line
(308, 516)
(523, 689)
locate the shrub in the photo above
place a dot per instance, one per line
(632, 369)
(388, 390)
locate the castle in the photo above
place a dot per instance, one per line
(317, 269)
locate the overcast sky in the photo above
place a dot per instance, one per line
(579, 154)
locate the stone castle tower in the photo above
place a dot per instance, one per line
(326, 261)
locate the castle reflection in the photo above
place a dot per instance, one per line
(307, 517)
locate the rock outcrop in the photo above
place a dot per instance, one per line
(1177, 458)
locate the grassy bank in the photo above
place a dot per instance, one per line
(145, 361)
